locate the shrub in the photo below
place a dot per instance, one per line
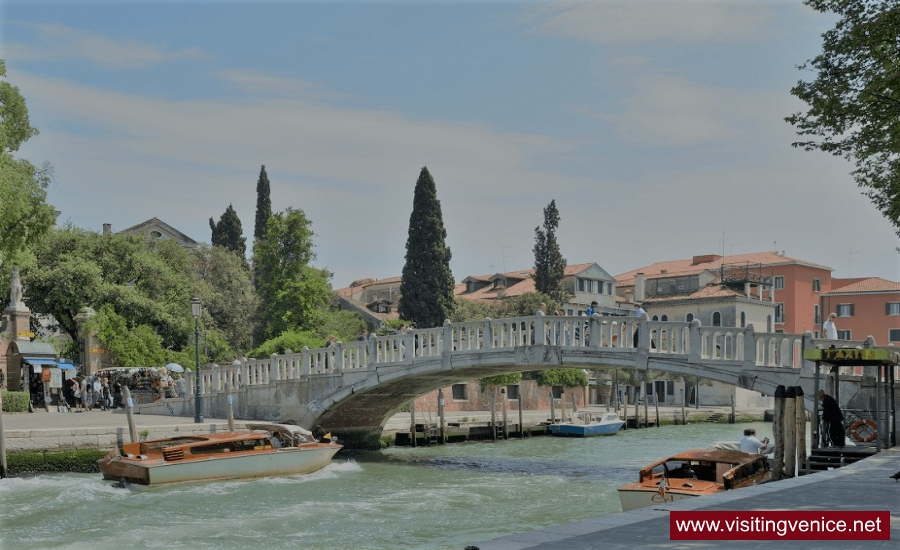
(32, 462)
(15, 401)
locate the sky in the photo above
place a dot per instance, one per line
(656, 127)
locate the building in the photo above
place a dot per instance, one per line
(793, 286)
(155, 228)
(583, 283)
(864, 307)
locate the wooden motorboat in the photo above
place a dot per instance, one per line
(693, 474)
(265, 450)
(588, 424)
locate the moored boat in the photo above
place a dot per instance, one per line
(693, 474)
(265, 450)
(588, 424)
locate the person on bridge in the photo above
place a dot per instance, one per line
(829, 330)
(641, 316)
(833, 419)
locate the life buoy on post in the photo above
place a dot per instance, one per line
(864, 431)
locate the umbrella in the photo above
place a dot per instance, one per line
(174, 367)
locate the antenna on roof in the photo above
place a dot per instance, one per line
(503, 249)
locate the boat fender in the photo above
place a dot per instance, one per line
(871, 429)
(129, 455)
(142, 457)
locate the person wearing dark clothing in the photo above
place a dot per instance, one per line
(833, 419)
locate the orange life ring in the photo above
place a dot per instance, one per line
(871, 429)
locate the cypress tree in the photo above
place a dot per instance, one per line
(549, 264)
(427, 287)
(263, 205)
(228, 232)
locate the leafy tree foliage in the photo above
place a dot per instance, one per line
(263, 205)
(500, 380)
(146, 283)
(427, 287)
(127, 346)
(549, 264)
(229, 297)
(854, 100)
(228, 232)
(25, 217)
(562, 377)
(527, 304)
(292, 293)
(467, 310)
(345, 325)
(288, 340)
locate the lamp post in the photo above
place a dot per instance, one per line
(196, 309)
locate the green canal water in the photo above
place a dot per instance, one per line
(441, 497)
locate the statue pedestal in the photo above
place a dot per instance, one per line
(19, 322)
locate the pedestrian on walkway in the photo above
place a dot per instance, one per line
(833, 419)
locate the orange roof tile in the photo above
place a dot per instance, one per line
(872, 284)
(709, 262)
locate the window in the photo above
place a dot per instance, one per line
(816, 319)
(156, 234)
(779, 282)
(716, 319)
(779, 313)
(845, 310)
(844, 335)
(655, 318)
(664, 318)
(894, 335)
(609, 289)
(512, 391)
(892, 308)
(557, 392)
(460, 392)
(743, 319)
(689, 317)
(817, 285)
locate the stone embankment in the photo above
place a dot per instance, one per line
(52, 431)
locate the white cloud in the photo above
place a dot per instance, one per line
(59, 42)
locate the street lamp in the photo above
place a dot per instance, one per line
(196, 309)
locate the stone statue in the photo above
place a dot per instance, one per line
(15, 289)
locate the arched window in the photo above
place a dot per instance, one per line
(717, 319)
(689, 317)
(655, 318)
(743, 319)
(664, 318)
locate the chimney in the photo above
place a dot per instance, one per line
(639, 287)
(107, 228)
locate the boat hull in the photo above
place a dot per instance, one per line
(634, 499)
(250, 464)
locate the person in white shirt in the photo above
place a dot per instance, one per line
(751, 445)
(828, 328)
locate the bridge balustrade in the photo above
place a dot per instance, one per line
(736, 344)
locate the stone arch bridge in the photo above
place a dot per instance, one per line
(353, 388)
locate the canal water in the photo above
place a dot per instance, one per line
(440, 497)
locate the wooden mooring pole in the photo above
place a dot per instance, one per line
(2, 442)
(778, 434)
(129, 414)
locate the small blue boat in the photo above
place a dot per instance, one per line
(589, 424)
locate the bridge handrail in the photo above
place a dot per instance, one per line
(739, 346)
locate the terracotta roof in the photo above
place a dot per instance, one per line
(708, 262)
(707, 292)
(873, 284)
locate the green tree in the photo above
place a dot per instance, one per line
(854, 100)
(427, 287)
(228, 232)
(148, 283)
(229, 296)
(549, 264)
(25, 216)
(263, 205)
(562, 377)
(292, 293)
(127, 345)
